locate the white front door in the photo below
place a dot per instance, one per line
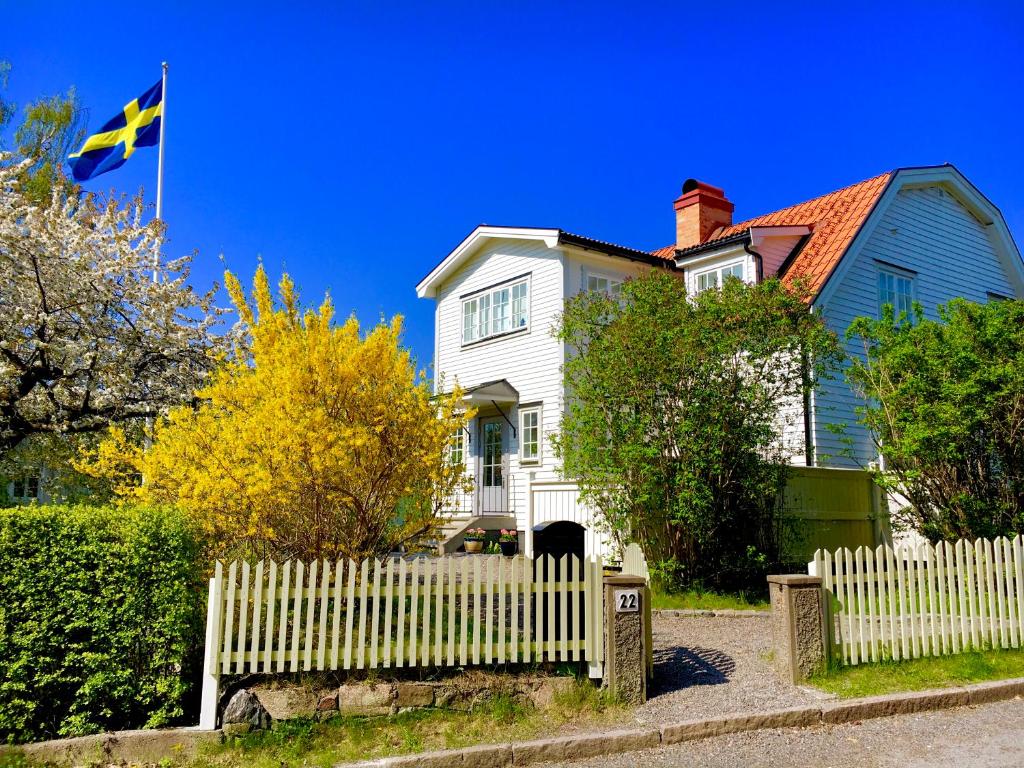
(493, 469)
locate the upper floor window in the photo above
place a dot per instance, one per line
(712, 278)
(608, 285)
(496, 311)
(529, 435)
(896, 289)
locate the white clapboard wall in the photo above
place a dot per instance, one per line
(456, 610)
(923, 600)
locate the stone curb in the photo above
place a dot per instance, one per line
(612, 742)
(144, 746)
(728, 613)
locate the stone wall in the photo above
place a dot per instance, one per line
(265, 702)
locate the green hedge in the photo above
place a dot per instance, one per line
(101, 620)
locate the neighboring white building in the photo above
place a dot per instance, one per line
(913, 234)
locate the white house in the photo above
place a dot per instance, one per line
(912, 234)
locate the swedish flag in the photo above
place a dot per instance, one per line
(138, 125)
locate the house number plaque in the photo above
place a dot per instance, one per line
(627, 600)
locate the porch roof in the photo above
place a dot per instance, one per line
(498, 391)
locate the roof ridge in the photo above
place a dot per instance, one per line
(848, 187)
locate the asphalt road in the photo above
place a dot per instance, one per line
(985, 736)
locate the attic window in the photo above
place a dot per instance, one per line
(896, 288)
(713, 278)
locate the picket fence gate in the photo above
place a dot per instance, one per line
(923, 600)
(397, 612)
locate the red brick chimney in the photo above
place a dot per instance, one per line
(700, 210)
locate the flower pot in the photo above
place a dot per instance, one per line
(474, 547)
(508, 548)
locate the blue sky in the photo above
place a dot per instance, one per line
(355, 144)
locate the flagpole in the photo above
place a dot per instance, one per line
(159, 210)
(160, 161)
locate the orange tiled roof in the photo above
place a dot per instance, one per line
(835, 219)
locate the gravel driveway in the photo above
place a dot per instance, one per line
(706, 666)
(989, 736)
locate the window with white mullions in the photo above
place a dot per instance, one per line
(497, 311)
(484, 326)
(520, 305)
(713, 278)
(896, 290)
(529, 435)
(604, 284)
(456, 449)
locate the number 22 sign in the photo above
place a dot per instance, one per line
(627, 601)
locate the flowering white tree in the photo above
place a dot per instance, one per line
(88, 335)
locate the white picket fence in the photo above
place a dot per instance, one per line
(922, 600)
(634, 563)
(397, 612)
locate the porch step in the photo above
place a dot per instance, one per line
(452, 535)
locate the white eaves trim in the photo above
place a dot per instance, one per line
(427, 287)
(718, 254)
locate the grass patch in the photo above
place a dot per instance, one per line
(709, 601)
(920, 674)
(344, 739)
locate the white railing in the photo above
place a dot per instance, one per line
(923, 600)
(469, 503)
(422, 612)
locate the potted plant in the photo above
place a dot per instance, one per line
(509, 542)
(474, 540)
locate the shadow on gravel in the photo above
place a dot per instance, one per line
(678, 667)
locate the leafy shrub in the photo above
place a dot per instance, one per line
(101, 619)
(944, 401)
(673, 430)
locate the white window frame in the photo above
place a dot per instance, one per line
(720, 272)
(538, 412)
(494, 311)
(458, 443)
(901, 301)
(613, 285)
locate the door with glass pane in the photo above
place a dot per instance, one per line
(493, 474)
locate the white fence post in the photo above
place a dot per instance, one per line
(211, 664)
(595, 618)
(528, 549)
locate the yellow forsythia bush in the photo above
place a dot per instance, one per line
(313, 440)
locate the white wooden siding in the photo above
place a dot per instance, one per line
(530, 360)
(925, 230)
(789, 422)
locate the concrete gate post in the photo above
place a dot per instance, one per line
(799, 630)
(627, 606)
